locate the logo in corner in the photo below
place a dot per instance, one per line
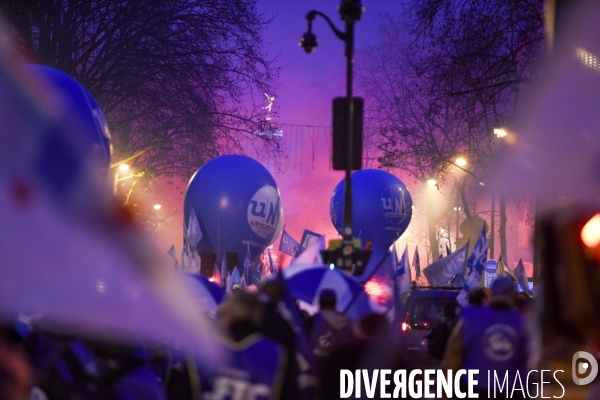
(580, 368)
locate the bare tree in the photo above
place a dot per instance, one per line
(179, 81)
(445, 74)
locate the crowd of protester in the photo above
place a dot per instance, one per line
(263, 356)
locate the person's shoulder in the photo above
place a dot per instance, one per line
(472, 312)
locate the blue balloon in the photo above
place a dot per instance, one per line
(88, 115)
(382, 208)
(237, 203)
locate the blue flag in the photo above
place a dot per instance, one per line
(255, 275)
(247, 264)
(440, 272)
(476, 264)
(402, 275)
(521, 276)
(272, 268)
(235, 277)
(289, 245)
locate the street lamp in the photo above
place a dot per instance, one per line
(124, 167)
(431, 182)
(157, 207)
(461, 161)
(350, 11)
(500, 132)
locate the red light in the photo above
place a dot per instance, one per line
(378, 291)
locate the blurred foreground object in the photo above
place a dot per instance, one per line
(556, 151)
(81, 111)
(68, 252)
(570, 274)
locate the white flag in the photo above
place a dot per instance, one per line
(194, 231)
(171, 252)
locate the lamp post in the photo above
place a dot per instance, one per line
(460, 161)
(350, 11)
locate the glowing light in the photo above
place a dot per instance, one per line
(457, 209)
(405, 325)
(482, 184)
(124, 167)
(588, 59)
(500, 132)
(332, 266)
(461, 161)
(157, 207)
(211, 279)
(378, 291)
(590, 234)
(431, 182)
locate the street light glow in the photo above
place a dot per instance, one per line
(157, 207)
(590, 234)
(500, 132)
(457, 208)
(124, 167)
(431, 182)
(461, 161)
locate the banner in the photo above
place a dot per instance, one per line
(308, 238)
(288, 244)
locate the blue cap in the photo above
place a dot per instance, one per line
(503, 286)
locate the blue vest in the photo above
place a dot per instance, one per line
(495, 341)
(324, 337)
(252, 369)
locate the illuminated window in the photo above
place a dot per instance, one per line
(588, 59)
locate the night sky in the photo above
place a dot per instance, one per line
(308, 82)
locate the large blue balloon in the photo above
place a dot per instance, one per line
(237, 204)
(82, 110)
(382, 207)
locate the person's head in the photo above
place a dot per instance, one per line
(327, 299)
(503, 288)
(239, 307)
(373, 326)
(274, 289)
(479, 296)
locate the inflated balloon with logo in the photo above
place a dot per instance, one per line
(237, 203)
(381, 207)
(78, 108)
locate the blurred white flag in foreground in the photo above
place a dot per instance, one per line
(67, 250)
